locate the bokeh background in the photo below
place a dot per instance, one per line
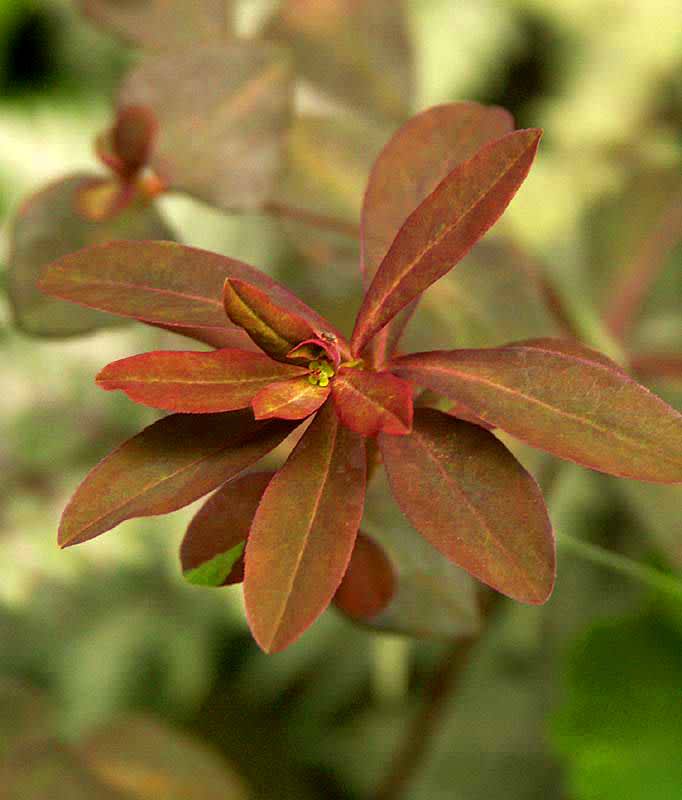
(104, 651)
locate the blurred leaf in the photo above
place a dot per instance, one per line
(618, 726)
(574, 408)
(168, 465)
(222, 114)
(369, 583)
(163, 24)
(195, 383)
(356, 50)
(371, 402)
(211, 552)
(48, 227)
(471, 499)
(433, 597)
(303, 533)
(444, 227)
(25, 717)
(148, 761)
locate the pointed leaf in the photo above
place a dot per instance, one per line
(163, 24)
(469, 497)
(273, 328)
(372, 402)
(170, 464)
(133, 136)
(195, 383)
(572, 406)
(442, 229)
(369, 583)
(303, 533)
(47, 227)
(162, 283)
(223, 111)
(211, 553)
(292, 399)
(358, 52)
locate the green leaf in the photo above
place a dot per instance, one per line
(618, 725)
(577, 407)
(372, 402)
(358, 52)
(303, 533)
(170, 464)
(223, 111)
(444, 227)
(163, 24)
(469, 497)
(211, 553)
(195, 383)
(47, 227)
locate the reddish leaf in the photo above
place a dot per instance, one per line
(444, 227)
(170, 464)
(372, 402)
(369, 582)
(132, 137)
(163, 24)
(469, 497)
(223, 111)
(303, 533)
(356, 50)
(292, 399)
(417, 158)
(195, 383)
(162, 283)
(563, 401)
(218, 529)
(47, 227)
(273, 328)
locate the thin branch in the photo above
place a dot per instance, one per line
(322, 221)
(629, 295)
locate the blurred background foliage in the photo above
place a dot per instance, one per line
(119, 681)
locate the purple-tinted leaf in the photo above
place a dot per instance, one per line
(47, 227)
(369, 583)
(469, 497)
(222, 113)
(195, 383)
(292, 399)
(358, 51)
(372, 402)
(444, 227)
(170, 464)
(211, 553)
(561, 400)
(303, 533)
(163, 24)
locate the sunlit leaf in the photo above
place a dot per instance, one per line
(372, 402)
(48, 227)
(170, 464)
(356, 50)
(222, 113)
(579, 409)
(163, 24)
(416, 159)
(212, 551)
(369, 583)
(469, 497)
(296, 398)
(303, 533)
(444, 227)
(195, 383)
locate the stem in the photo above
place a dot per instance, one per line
(643, 271)
(649, 576)
(391, 674)
(322, 221)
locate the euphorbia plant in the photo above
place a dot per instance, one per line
(439, 184)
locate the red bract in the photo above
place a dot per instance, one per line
(454, 479)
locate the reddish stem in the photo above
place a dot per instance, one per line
(315, 220)
(630, 293)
